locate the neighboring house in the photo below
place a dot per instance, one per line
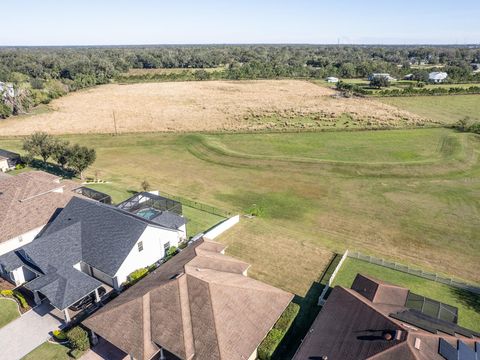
(28, 201)
(409, 77)
(332, 79)
(382, 75)
(437, 76)
(87, 245)
(199, 305)
(8, 160)
(7, 90)
(377, 320)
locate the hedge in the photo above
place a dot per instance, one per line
(78, 338)
(21, 299)
(276, 335)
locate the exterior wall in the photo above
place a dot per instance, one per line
(154, 240)
(18, 241)
(21, 275)
(222, 227)
(4, 165)
(183, 232)
(253, 356)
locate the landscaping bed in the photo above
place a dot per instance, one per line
(18, 297)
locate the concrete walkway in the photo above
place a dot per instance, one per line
(27, 332)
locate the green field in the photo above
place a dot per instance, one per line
(409, 195)
(467, 303)
(447, 109)
(8, 311)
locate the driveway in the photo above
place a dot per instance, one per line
(27, 332)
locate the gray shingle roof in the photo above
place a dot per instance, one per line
(106, 234)
(169, 219)
(98, 234)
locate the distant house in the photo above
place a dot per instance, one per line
(437, 76)
(382, 75)
(378, 320)
(8, 160)
(199, 305)
(87, 246)
(28, 201)
(332, 79)
(7, 90)
(409, 77)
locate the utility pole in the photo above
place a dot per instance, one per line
(115, 123)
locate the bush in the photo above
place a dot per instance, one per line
(275, 336)
(78, 338)
(21, 299)
(19, 166)
(172, 250)
(137, 275)
(59, 335)
(6, 293)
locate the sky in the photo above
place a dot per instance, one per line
(122, 22)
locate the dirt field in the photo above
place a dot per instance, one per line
(206, 106)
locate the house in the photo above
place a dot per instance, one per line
(28, 201)
(332, 79)
(6, 90)
(199, 305)
(437, 76)
(8, 160)
(382, 75)
(409, 77)
(378, 320)
(89, 244)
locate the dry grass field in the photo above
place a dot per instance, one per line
(207, 106)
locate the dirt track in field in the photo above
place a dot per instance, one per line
(197, 106)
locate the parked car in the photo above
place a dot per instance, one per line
(87, 300)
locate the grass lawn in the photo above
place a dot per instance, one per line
(8, 311)
(447, 109)
(416, 192)
(468, 304)
(48, 351)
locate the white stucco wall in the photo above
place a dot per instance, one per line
(4, 165)
(153, 240)
(222, 227)
(18, 241)
(21, 275)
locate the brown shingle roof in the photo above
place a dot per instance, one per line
(28, 201)
(201, 306)
(351, 324)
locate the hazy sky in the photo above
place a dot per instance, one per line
(104, 22)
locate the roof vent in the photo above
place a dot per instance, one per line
(418, 342)
(387, 336)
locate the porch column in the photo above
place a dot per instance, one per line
(67, 315)
(97, 296)
(36, 298)
(94, 339)
(162, 355)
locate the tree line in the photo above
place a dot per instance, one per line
(75, 158)
(45, 73)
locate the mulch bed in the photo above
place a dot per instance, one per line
(5, 285)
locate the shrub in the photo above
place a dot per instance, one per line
(137, 275)
(78, 338)
(21, 299)
(172, 250)
(20, 166)
(275, 336)
(59, 335)
(6, 293)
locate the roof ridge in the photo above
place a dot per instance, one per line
(213, 316)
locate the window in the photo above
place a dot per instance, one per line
(140, 246)
(166, 246)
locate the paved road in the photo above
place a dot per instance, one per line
(27, 332)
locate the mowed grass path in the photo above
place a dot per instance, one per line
(467, 303)
(447, 109)
(411, 196)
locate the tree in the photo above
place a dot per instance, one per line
(81, 158)
(61, 152)
(379, 82)
(145, 185)
(39, 144)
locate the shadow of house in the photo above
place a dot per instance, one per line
(467, 298)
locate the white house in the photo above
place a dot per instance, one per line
(437, 76)
(8, 160)
(7, 90)
(382, 75)
(28, 201)
(332, 79)
(89, 244)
